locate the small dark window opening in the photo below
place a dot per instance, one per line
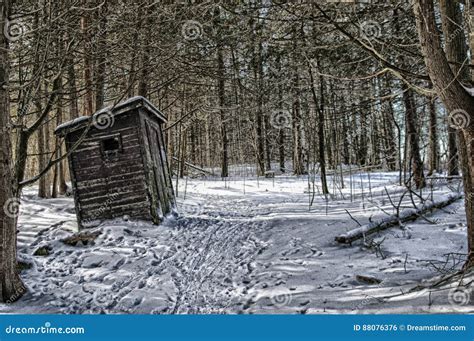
(111, 145)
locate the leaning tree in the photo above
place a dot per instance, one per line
(457, 99)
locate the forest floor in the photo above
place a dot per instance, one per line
(248, 245)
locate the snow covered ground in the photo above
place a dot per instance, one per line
(248, 245)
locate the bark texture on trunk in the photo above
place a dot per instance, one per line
(11, 286)
(101, 57)
(415, 164)
(88, 104)
(222, 103)
(259, 129)
(433, 147)
(458, 101)
(319, 104)
(456, 53)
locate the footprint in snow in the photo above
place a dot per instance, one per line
(119, 264)
(138, 301)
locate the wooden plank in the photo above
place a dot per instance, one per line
(88, 183)
(157, 167)
(153, 206)
(122, 123)
(95, 145)
(123, 185)
(113, 181)
(98, 161)
(119, 170)
(133, 149)
(104, 193)
(111, 208)
(166, 170)
(72, 175)
(126, 134)
(152, 186)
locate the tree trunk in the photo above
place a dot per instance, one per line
(281, 130)
(415, 164)
(183, 152)
(281, 149)
(55, 189)
(458, 101)
(88, 105)
(43, 183)
(133, 57)
(145, 54)
(298, 166)
(71, 75)
(222, 103)
(59, 179)
(362, 145)
(320, 122)
(321, 142)
(433, 132)
(259, 111)
(11, 286)
(392, 152)
(453, 156)
(194, 133)
(456, 53)
(268, 161)
(101, 57)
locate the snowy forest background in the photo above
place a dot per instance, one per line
(297, 132)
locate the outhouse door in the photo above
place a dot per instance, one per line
(158, 164)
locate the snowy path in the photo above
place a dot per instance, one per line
(262, 251)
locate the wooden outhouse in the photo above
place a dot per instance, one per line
(118, 164)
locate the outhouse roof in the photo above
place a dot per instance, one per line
(115, 110)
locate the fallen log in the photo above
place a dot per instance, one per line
(405, 216)
(352, 171)
(190, 165)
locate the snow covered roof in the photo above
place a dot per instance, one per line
(120, 108)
